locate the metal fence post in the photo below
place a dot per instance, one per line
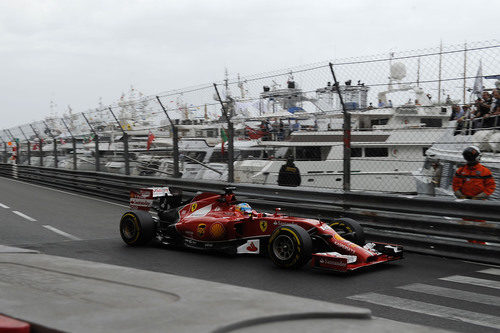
(347, 137)
(230, 137)
(4, 155)
(175, 139)
(16, 155)
(28, 150)
(96, 140)
(73, 142)
(125, 144)
(40, 144)
(54, 143)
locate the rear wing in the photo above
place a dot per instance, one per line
(143, 198)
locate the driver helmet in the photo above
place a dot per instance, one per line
(472, 154)
(244, 208)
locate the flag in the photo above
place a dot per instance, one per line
(478, 83)
(223, 136)
(254, 133)
(151, 137)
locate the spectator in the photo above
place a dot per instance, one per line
(448, 100)
(389, 103)
(495, 107)
(417, 102)
(456, 112)
(289, 174)
(381, 104)
(296, 126)
(281, 130)
(485, 106)
(370, 106)
(473, 180)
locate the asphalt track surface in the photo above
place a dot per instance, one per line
(426, 290)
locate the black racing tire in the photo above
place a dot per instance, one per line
(290, 246)
(350, 230)
(137, 227)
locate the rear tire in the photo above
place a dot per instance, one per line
(290, 246)
(137, 227)
(349, 229)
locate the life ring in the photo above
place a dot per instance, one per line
(394, 152)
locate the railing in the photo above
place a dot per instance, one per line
(422, 224)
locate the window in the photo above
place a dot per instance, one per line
(376, 152)
(217, 157)
(250, 154)
(311, 153)
(431, 122)
(382, 121)
(356, 152)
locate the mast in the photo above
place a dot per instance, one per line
(440, 68)
(465, 70)
(391, 55)
(418, 73)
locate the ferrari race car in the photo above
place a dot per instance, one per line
(216, 222)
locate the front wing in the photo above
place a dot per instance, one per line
(344, 263)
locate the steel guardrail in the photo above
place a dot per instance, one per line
(422, 224)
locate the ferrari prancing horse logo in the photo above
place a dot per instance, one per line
(193, 207)
(263, 225)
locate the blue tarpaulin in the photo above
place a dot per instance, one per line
(294, 109)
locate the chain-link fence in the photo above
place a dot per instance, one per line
(411, 115)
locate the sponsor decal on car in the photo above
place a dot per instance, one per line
(251, 246)
(201, 230)
(203, 211)
(263, 225)
(217, 230)
(333, 262)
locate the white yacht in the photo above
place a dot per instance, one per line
(445, 156)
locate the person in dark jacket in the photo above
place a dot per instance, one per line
(289, 174)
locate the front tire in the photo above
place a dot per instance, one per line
(349, 229)
(290, 246)
(137, 228)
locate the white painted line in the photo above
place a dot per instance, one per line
(24, 216)
(4, 206)
(60, 232)
(453, 293)
(435, 310)
(492, 271)
(473, 281)
(66, 192)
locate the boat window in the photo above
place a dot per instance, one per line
(356, 152)
(250, 154)
(212, 133)
(217, 156)
(382, 121)
(431, 122)
(376, 152)
(311, 153)
(197, 155)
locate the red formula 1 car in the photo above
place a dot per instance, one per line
(216, 222)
